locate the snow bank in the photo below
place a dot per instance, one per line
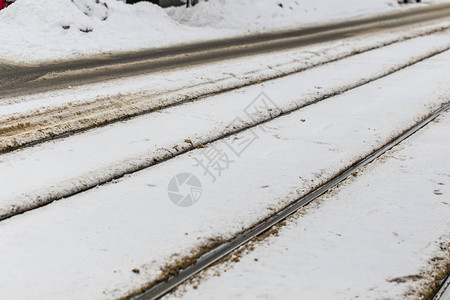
(55, 29)
(34, 31)
(257, 15)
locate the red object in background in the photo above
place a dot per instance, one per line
(3, 4)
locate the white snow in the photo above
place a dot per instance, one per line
(263, 15)
(385, 223)
(84, 160)
(174, 85)
(86, 246)
(37, 31)
(90, 243)
(34, 30)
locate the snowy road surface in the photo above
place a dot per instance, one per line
(72, 164)
(38, 31)
(28, 119)
(99, 68)
(106, 233)
(94, 202)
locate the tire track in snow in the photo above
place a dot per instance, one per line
(25, 130)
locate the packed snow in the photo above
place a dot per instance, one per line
(35, 31)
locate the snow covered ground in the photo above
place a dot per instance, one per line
(71, 164)
(90, 243)
(115, 239)
(37, 31)
(257, 15)
(43, 115)
(383, 234)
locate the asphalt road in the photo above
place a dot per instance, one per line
(22, 80)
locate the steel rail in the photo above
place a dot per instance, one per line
(223, 250)
(445, 285)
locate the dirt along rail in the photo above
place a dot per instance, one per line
(156, 290)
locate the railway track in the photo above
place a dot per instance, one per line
(146, 163)
(23, 130)
(96, 119)
(207, 259)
